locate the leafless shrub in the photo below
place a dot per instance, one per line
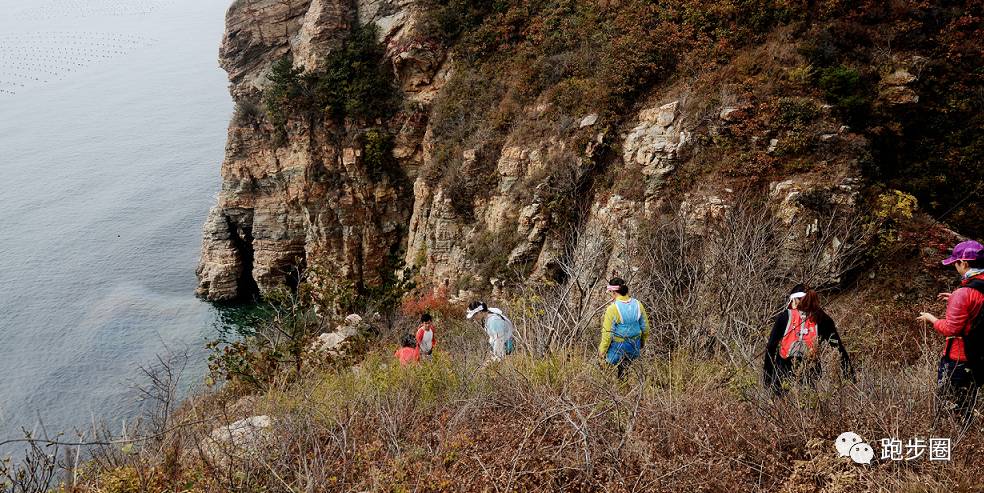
(552, 316)
(36, 472)
(159, 392)
(714, 284)
(672, 272)
(145, 447)
(561, 421)
(711, 279)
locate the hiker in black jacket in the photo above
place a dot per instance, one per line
(795, 337)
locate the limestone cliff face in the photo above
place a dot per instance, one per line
(284, 205)
(310, 200)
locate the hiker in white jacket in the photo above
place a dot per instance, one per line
(497, 326)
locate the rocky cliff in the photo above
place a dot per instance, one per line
(525, 131)
(309, 196)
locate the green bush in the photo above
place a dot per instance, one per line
(737, 21)
(793, 111)
(846, 89)
(377, 154)
(283, 95)
(353, 84)
(839, 82)
(247, 112)
(273, 340)
(446, 20)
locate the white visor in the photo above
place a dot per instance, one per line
(796, 296)
(471, 313)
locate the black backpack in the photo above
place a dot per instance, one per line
(974, 338)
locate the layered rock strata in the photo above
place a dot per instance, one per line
(311, 201)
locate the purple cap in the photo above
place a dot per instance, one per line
(966, 250)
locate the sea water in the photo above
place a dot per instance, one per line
(113, 119)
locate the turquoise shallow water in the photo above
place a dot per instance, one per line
(113, 116)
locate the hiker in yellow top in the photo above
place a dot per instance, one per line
(624, 328)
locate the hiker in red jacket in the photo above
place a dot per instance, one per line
(425, 336)
(956, 379)
(408, 353)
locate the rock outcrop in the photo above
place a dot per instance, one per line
(241, 439)
(654, 142)
(309, 200)
(312, 197)
(333, 344)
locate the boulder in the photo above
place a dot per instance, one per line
(897, 95)
(667, 113)
(730, 114)
(589, 120)
(243, 438)
(242, 432)
(332, 344)
(900, 77)
(895, 90)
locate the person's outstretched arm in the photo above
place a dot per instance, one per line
(957, 314)
(828, 332)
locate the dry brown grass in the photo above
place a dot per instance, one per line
(564, 423)
(553, 418)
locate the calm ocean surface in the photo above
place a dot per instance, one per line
(113, 118)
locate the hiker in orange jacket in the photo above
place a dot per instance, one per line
(425, 336)
(959, 374)
(408, 353)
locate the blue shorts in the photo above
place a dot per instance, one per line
(628, 349)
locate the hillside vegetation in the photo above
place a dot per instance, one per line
(905, 78)
(875, 105)
(691, 415)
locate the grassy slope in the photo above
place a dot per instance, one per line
(683, 421)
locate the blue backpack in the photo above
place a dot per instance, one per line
(630, 314)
